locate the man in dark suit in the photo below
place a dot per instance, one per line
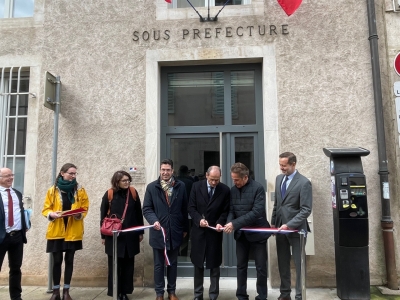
(292, 206)
(208, 206)
(247, 209)
(12, 231)
(165, 205)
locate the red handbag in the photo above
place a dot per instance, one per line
(112, 222)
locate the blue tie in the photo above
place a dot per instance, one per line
(210, 194)
(283, 189)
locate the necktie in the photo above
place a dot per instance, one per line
(10, 209)
(283, 189)
(210, 193)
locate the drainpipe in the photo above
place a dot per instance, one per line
(386, 220)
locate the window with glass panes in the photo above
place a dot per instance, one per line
(14, 95)
(203, 3)
(16, 8)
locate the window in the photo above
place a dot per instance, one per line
(16, 8)
(204, 3)
(14, 95)
(199, 98)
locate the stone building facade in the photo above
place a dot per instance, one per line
(308, 76)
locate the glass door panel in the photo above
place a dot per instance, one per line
(197, 153)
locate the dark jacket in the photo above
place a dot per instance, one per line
(174, 218)
(127, 242)
(2, 218)
(247, 209)
(207, 242)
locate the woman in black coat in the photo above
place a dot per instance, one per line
(128, 243)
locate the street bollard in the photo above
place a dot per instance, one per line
(303, 235)
(115, 265)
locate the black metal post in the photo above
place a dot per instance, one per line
(386, 220)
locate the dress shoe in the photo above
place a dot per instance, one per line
(160, 298)
(198, 298)
(284, 298)
(123, 297)
(172, 296)
(215, 298)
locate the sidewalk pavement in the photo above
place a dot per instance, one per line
(184, 292)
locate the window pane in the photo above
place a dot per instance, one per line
(243, 98)
(196, 99)
(23, 8)
(19, 172)
(230, 2)
(185, 3)
(2, 8)
(21, 137)
(23, 99)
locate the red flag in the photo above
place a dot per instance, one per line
(169, 1)
(289, 6)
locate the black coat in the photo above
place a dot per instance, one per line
(2, 218)
(247, 209)
(127, 242)
(206, 242)
(174, 218)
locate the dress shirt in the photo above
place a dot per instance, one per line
(17, 210)
(290, 177)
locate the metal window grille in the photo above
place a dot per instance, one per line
(14, 95)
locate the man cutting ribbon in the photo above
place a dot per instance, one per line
(165, 205)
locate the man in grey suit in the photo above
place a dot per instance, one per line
(292, 206)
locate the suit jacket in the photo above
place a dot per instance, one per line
(294, 209)
(174, 218)
(2, 219)
(207, 242)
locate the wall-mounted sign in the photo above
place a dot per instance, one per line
(396, 88)
(398, 113)
(396, 64)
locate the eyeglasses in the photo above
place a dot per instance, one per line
(125, 180)
(72, 174)
(8, 175)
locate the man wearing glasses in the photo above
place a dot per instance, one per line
(12, 231)
(165, 205)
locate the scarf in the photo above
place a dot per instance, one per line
(167, 187)
(67, 187)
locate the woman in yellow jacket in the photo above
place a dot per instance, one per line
(64, 234)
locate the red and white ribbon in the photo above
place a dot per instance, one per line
(271, 230)
(137, 228)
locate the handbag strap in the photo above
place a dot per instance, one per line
(110, 198)
(126, 206)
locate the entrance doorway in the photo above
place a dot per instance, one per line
(213, 116)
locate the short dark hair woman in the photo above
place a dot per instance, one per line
(64, 234)
(128, 243)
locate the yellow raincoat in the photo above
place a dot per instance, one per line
(56, 229)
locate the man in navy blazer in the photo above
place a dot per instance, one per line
(292, 206)
(208, 206)
(12, 231)
(165, 205)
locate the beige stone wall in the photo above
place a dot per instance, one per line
(317, 92)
